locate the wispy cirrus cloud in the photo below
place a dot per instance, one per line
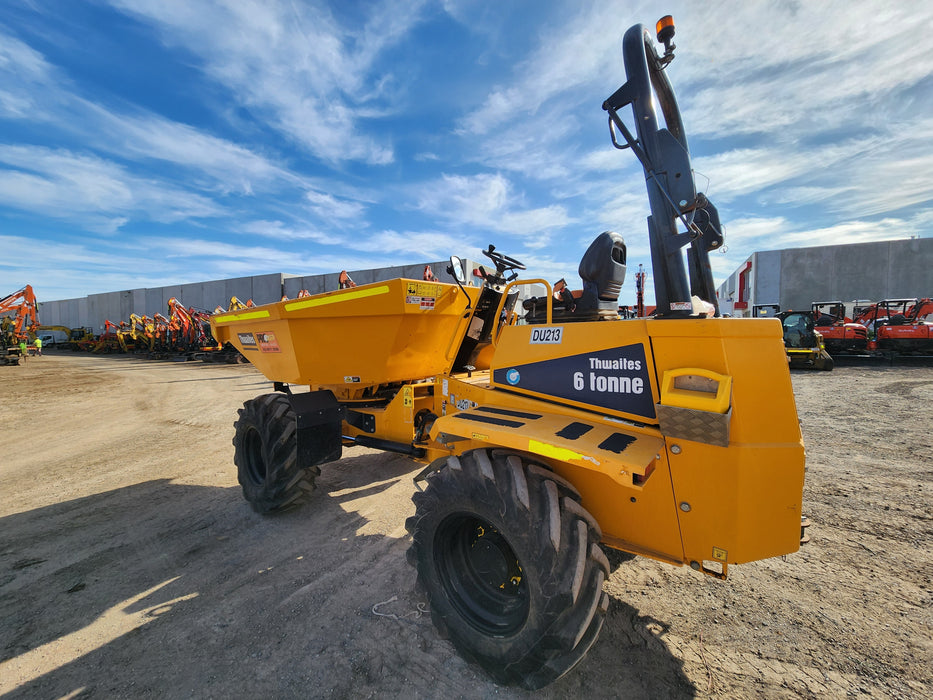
(295, 65)
(99, 193)
(489, 202)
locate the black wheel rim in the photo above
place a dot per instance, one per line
(255, 465)
(481, 575)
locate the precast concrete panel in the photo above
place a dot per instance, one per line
(767, 277)
(239, 287)
(910, 269)
(154, 303)
(315, 284)
(69, 313)
(860, 271)
(173, 290)
(192, 295)
(101, 308)
(215, 295)
(47, 313)
(267, 288)
(806, 276)
(139, 302)
(126, 305)
(366, 276)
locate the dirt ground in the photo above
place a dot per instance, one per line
(130, 565)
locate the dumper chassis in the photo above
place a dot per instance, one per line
(550, 428)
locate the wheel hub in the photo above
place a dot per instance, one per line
(481, 575)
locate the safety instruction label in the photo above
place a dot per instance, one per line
(422, 294)
(267, 342)
(408, 403)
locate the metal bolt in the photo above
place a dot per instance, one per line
(685, 507)
(675, 449)
(683, 202)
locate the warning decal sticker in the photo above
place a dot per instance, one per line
(422, 294)
(267, 342)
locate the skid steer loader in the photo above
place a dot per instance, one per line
(550, 428)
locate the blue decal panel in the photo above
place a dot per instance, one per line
(617, 379)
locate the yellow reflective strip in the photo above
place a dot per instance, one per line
(546, 450)
(246, 316)
(337, 298)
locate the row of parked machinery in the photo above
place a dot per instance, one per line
(182, 332)
(886, 328)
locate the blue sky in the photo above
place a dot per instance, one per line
(154, 142)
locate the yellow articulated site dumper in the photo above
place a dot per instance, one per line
(551, 428)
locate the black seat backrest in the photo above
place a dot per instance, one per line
(602, 270)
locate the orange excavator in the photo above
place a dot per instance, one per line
(109, 340)
(192, 327)
(840, 334)
(19, 311)
(900, 325)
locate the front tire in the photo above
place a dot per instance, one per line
(511, 564)
(266, 456)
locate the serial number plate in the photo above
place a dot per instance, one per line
(551, 335)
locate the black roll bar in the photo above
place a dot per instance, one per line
(665, 158)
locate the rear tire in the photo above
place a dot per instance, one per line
(266, 455)
(511, 564)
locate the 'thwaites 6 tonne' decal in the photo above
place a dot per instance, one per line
(616, 378)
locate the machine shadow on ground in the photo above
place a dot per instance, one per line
(170, 589)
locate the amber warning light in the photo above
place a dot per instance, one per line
(665, 29)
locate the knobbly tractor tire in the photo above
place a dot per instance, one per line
(266, 456)
(511, 564)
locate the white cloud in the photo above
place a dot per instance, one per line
(280, 231)
(488, 202)
(406, 246)
(569, 54)
(90, 190)
(294, 64)
(799, 81)
(329, 207)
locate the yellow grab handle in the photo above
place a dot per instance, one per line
(700, 389)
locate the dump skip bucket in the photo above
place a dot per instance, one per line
(377, 333)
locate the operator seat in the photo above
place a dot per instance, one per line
(602, 270)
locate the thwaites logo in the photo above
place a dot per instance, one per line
(616, 378)
(247, 340)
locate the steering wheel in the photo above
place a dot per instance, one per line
(502, 262)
